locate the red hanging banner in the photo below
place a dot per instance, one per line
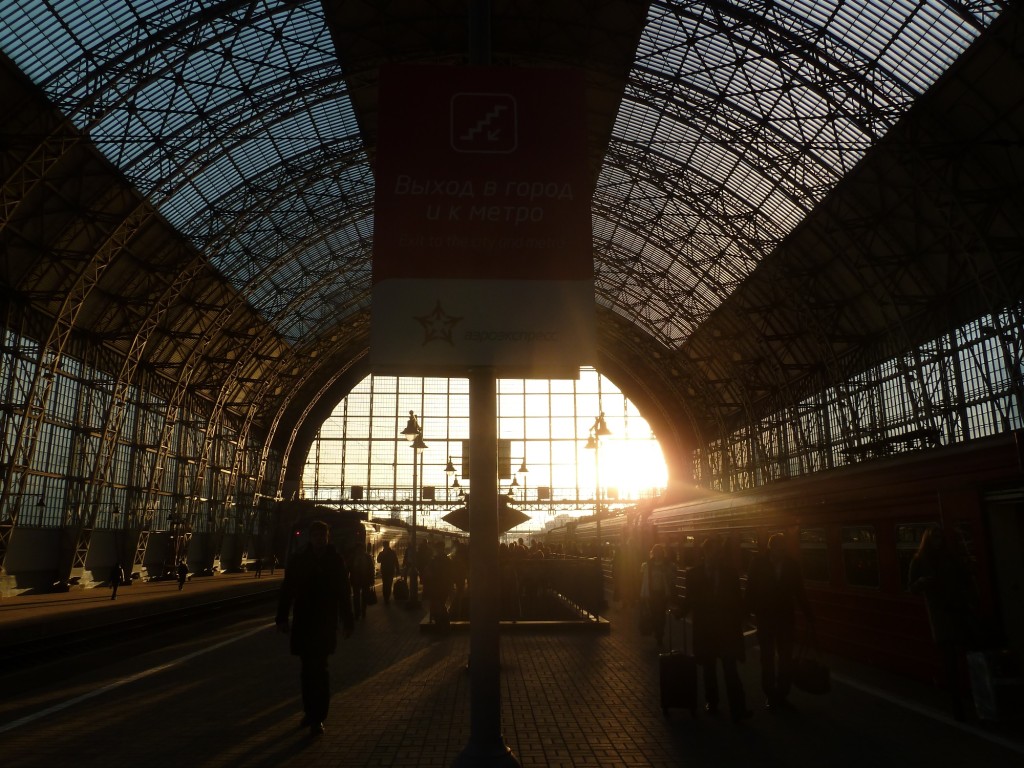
(482, 231)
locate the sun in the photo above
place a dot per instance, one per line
(635, 468)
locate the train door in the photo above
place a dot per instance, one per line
(1004, 515)
(749, 548)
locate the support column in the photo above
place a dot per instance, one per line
(486, 743)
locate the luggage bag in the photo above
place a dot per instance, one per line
(677, 676)
(400, 591)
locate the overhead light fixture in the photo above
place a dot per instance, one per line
(412, 427)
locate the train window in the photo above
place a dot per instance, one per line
(813, 554)
(908, 539)
(860, 555)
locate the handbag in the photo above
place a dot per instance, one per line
(371, 595)
(810, 674)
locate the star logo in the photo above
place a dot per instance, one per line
(438, 325)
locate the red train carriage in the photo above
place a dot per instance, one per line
(855, 530)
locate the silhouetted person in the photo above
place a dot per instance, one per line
(387, 559)
(412, 566)
(259, 568)
(942, 578)
(361, 577)
(316, 592)
(182, 575)
(460, 575)
(438, 580)
(626, 567)
(657, 589)
(715, 601)
(116, 579)
(775, 589)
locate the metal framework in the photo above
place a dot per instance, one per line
(807, 223)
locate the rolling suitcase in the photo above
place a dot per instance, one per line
(677, 676)
(400, 591)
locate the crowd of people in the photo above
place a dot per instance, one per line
(718, 608)
(711, 596)
(324, 588)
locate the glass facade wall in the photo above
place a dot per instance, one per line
(544, 426)
(963, 386)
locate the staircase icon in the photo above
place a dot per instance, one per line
(484, 123)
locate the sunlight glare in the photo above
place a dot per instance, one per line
(635, 469)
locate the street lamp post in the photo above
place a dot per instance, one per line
(598, 430)
(522, 471)
(449, 473)
(414, 432)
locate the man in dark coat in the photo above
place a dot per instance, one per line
(438, 581)
(775, 589)
(316, 590)
(714, 599)
(387, 558)
(943, 579)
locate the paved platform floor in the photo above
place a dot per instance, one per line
(228, 696)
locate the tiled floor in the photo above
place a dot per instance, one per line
(228, 696)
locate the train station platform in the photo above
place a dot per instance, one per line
(222, 690)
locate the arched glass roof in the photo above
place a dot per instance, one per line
(737, 119)
(234, 119)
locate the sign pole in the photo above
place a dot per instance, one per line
(486, 743)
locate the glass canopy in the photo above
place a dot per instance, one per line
(233, 118)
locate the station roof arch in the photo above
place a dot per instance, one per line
(784, 192)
